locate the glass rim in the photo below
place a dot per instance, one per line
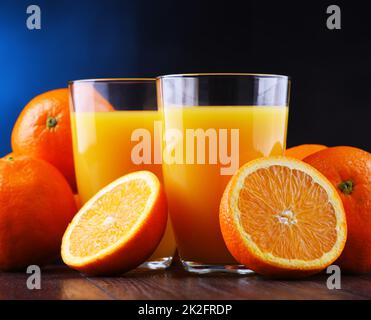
(108, 80)
(227, 74)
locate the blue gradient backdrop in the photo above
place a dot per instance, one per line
(78, 39)
(331, 99)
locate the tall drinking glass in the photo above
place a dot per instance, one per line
(213, 124)
(108, 117)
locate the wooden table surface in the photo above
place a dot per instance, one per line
(60, 282)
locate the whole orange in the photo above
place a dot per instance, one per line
(9, 155)
(43, 130)
(349, 170)
(36, 205)
(301, 151)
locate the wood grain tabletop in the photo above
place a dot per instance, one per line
(60, 283)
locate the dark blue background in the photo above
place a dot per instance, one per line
(331, 99)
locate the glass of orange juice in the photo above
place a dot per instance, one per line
(213, 124)
(109, 117)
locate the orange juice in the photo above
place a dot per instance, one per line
(102, 153)
(194, 190)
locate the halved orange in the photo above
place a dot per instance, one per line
(118, 228)
(281, 217)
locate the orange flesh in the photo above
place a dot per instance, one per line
(287, 205)
(110, 218)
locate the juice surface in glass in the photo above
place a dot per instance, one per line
(102, 153)
(194, 190)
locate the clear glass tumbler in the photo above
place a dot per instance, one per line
(106, 117)
(213, 124)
